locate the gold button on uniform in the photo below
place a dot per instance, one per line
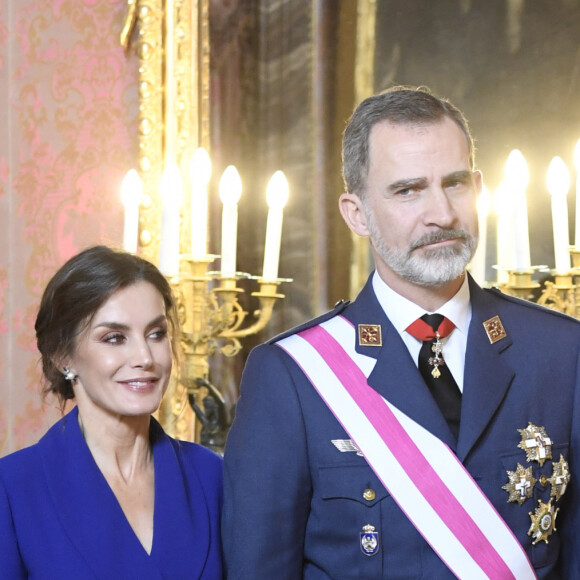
(369, 494)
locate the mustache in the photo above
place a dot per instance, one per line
(440, 236)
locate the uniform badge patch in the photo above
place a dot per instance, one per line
(543, 522)
(369, 540)
(494, 329)
(345, 445)
(370, 335)
(536, 443)
(520, 485)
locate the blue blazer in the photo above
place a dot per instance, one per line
(60, 520)
(294, 505)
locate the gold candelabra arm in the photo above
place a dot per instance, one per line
(267, 297)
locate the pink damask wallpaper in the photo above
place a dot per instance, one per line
(68, 118)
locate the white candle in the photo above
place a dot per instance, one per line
(477, 267)
(577, 166)
(200, 172)
(171, 197)
(517, 177)
(502, 203)
(131, 195)
(277, 195)
(558, 180)
(230, 191)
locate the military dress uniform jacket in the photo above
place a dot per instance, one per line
(295, 506)
(59, 519)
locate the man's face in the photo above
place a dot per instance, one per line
(420, 204)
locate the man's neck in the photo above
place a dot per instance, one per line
(428, 297)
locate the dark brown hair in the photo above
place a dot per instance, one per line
(74, 294)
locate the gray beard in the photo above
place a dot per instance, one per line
(435, 267)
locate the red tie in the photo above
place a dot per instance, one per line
(429, 329)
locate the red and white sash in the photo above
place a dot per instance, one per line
(420, 472)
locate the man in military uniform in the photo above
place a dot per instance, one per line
(428, 429)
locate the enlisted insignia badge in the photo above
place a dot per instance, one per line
(369, 540)
(560, 478)
(370, 335)
(543, 522)
(345, 445)
(520, 485)
(494, 329)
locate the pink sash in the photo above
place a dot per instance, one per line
(420, 472)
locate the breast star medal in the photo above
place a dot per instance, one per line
(560, 478)
(520, 485)
(536, 443)
(369, 540)
(543, 522)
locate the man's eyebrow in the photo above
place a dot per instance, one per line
(411, 183)
(462, 176)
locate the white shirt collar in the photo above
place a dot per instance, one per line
(402, 312)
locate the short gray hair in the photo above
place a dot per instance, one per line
(401, 105)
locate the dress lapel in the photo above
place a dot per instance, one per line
(395, 375)
(182, 523)
(487, 376)
(87, 508)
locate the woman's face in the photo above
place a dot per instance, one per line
(123, 358)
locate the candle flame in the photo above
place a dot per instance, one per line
(131, 189)
(200, 167)
(277, 192)
(516, 170)
(230, 186)
(558, 177)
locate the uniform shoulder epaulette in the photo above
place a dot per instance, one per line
(338, 308)
(528, 304)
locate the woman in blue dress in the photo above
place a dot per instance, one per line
(106, 493)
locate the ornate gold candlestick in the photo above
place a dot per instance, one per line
(520, 283)
(212, 321)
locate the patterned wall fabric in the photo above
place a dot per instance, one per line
(68, 110)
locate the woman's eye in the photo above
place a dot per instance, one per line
(114, 338)
(158, 334)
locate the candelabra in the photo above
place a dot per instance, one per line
(212, 320)
(562, 294)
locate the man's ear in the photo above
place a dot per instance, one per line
(478, 180)
(352, 211)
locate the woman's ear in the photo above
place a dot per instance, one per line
(352, 211)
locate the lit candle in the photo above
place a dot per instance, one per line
(200, 172)
(131, 195)
(577, 166)
(517, 177)
(277, 194)
(230, 191)
(477, 267)
(502, 205)
(171, 197)
(558, 180)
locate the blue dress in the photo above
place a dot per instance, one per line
(59, 519)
